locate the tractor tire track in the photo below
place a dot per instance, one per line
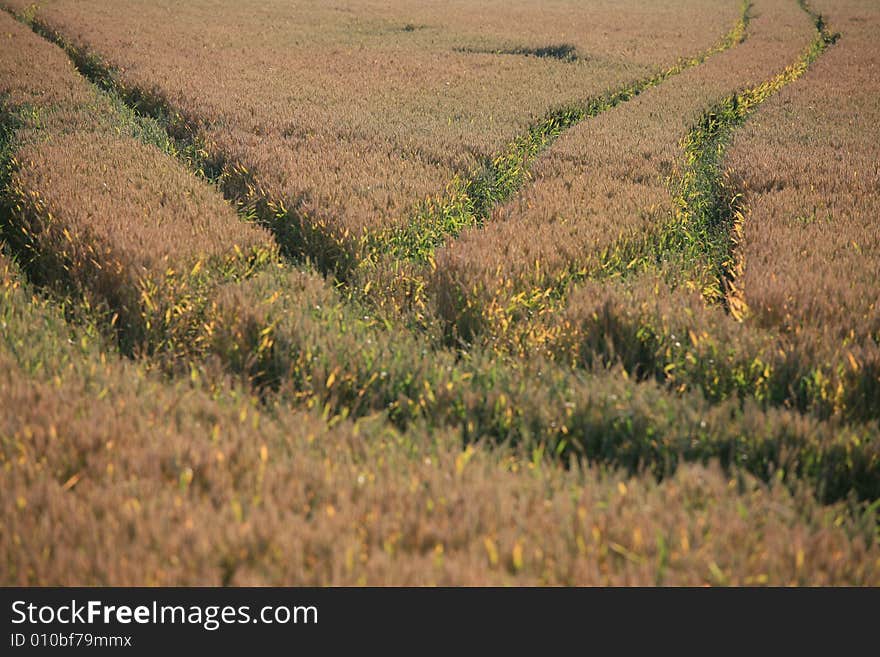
(466, 202)
(703, 234)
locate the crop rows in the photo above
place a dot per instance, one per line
(329, 193)
(469, 202)
(286, 331)
(322, 436)
(144, 240)
(809, 249)
(691, 249)
(602, 189)
(111, 476)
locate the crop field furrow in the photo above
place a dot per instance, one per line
(809, 249)
(633, 340)
(183, 494)
(709, 219)
(708, 223)
(328, 362)
(471, 201)
(288, 332)
(603, 188)
(656, 327)
(303, 342)
(98, 442)
(701, 238)
(637, 324)
(300, 236)
(303, 222)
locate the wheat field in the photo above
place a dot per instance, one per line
(578, 292)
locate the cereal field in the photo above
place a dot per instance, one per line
(577, 292)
